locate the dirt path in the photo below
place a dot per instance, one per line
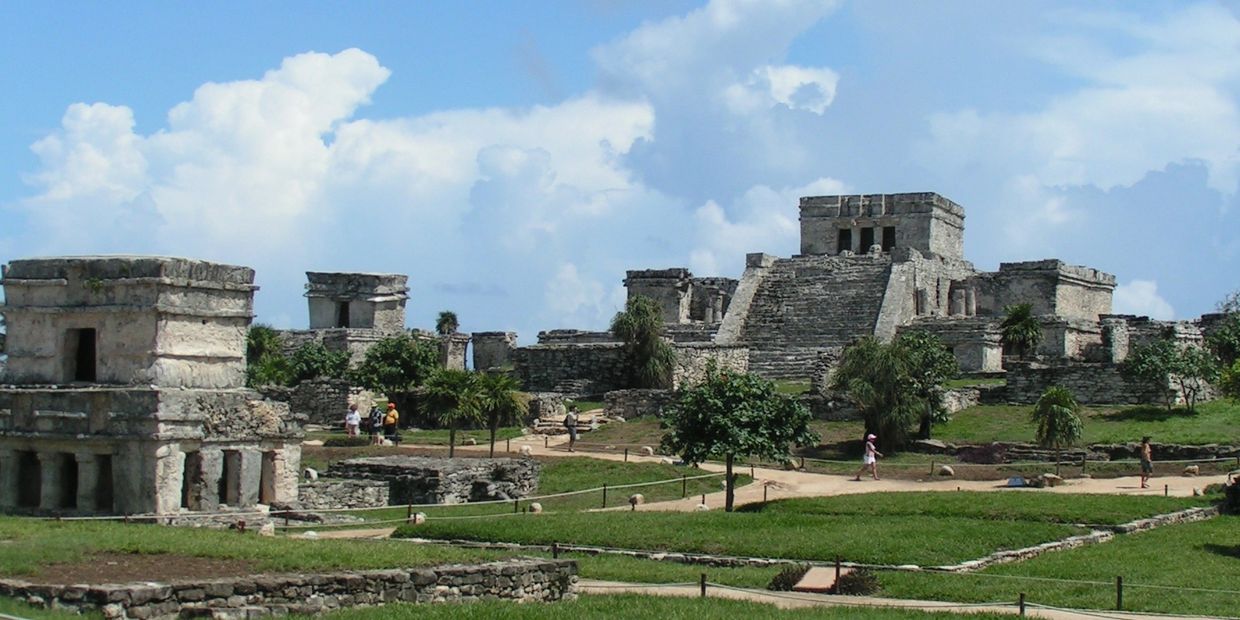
(780, 484)
(794, 600)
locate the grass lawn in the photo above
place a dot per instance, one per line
(915, 528)
(976, 382)
(634, 606)
(1214, 422)
(29, 544)
(1205, 554)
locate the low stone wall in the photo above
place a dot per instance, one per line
(422, 480)
(327, 401)
(1026, 452)
(692, 360)
(327, 493)
(1092, 384)
(958, 399)
(629, 404)
(525, 580)
(549, 367)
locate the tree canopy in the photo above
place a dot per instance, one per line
(1057, 425)
(648, 357)
(1185, 370)
(453, 398)
(928, 364)
(446, 323)
(397, 364)
(1021, 331)
(500, 401)
(731, 415)
(875, 378)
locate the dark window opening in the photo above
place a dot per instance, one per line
(867, 239)
(889, 238)
(845, 240)
(267, 479)
(29, 479)
(68, 481)
(230, 478)
(81, 342)
(342, 314)
(191, 481)
(103, 488)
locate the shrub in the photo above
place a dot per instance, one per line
(859, 582)
(788, 577)
(345, 442)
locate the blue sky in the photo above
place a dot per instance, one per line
(515, 158)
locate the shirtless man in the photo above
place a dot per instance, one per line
(1147, 462)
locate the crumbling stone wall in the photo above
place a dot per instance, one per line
(330, 493)
(554, 367)
(357, 300)
(692, 360)
(629, 404)
(326, 401)
(493, 350)
(1091, 383)
(1052, 287)
(924, 221)
(976, 342)
(422, 480)
(522, 580)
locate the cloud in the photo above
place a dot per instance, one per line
(1141, 297)
(573, 299)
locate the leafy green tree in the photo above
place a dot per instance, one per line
(446, 323)
(266, 363)
(454, 399)
(928, 364)
(649, 357)
(1224, 339)
(875, 377)
(1229, 382)
(1174, 368)
(731, 415)
(397, 364)
(1021, 331)
(1057, 425)
(500, 401)
(312, 360)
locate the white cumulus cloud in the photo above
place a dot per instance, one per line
(1141, 297)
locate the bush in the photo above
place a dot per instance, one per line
(1231, 498)
(346, 442)
(859, 582)
(788, 577)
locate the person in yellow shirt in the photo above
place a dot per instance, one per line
(390, 421)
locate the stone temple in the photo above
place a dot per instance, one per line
(124, 390)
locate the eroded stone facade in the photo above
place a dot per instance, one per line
(124, 391)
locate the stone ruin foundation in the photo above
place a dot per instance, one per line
(426, 480)
(124, 391)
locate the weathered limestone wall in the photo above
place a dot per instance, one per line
(493, 350)
(523, 580)
(574, 336)
(1071, 339)
(560, 367)
(422, 480)
(975, 341)
(693, 359)
(926, 222)
(1052, 287)
(629, 404)
(329, 493)
(326, 401)
(156, 321)
(1091, 383)
(670, 288)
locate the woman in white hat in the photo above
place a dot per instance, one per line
(869, 460)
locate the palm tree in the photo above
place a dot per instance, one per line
(452, 396)
(650, 357)
(1021, 329)
(1055, 416)
(446, 323)
(500, 402)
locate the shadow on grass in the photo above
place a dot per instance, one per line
(1147, 413)
(1231, 551)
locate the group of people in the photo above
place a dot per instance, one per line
(379, 420)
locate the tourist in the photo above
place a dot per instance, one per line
(1147, 462)
(570, 423)
(390, 422)
(869, 460)
(352, 420)
(376, 424)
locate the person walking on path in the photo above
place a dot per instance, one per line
(390, 422)
(1146, 456)
(352, 420)
(869, 460)
(570, 423)
(376, 425)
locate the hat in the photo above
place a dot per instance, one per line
(391, 405)
(871, 436)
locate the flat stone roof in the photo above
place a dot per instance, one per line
(125, 267)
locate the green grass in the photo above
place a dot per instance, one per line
(13, 607)
(1195, 555)
(627, 569)
(792, 387)
(977, 382)
(634, 606)
(586, 405)
(1214, 422)
(30, 543)
(905, 537)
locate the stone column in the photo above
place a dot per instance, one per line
(8, 479)
(88, 480)
(717, 307)
(49, 472)
(956, 299)
(970, 301)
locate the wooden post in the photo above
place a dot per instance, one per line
(764, 488)
(546, 441)
(508, 445)
(1119, 593)
(703, 498)
(802, 462)
(555, 551)
(751, 471)
(1166, 490)
(835, 587)
(515, 506)
(626, 455)
(1021, 603)
(684, 486)
(931, 467)
(702, 582)
(604, 496)
(408, 513)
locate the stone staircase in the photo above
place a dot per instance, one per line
(806, 304)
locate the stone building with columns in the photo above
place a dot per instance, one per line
(124, 390)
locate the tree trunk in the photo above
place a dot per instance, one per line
(730, 489)
(1056, 461)
(493, 429)
(924, 431)
(451, 441)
